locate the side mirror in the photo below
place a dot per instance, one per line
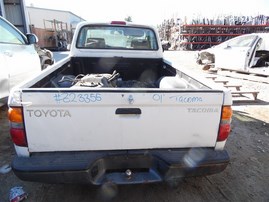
(166, 45)
(32, 38)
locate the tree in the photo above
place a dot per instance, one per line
(128, 19)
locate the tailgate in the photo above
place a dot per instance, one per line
(116, 120)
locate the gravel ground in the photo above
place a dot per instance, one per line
(245, 179)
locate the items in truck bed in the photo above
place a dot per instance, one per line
(98, 81)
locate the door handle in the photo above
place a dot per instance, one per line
(135, 111)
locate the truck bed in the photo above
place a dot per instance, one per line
(132, 72)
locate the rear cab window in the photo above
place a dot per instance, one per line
(116, 37)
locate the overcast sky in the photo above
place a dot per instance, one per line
(153, 12)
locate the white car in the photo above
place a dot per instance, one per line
(249, 52)
(18, 58)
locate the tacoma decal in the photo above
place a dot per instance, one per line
(203, 110)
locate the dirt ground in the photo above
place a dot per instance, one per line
(245, 179)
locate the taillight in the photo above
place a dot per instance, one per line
(225, 123)
(15, 115)
(227, 113)
(224, 131)
(16, 125)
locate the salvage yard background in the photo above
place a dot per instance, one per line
(245, 179)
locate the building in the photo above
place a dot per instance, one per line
(14, 12)
(54, 28)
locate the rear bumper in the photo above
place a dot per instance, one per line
(144, 166)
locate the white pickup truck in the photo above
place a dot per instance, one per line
(116, 111)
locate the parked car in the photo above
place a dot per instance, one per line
(18, 57)
(242, 53)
